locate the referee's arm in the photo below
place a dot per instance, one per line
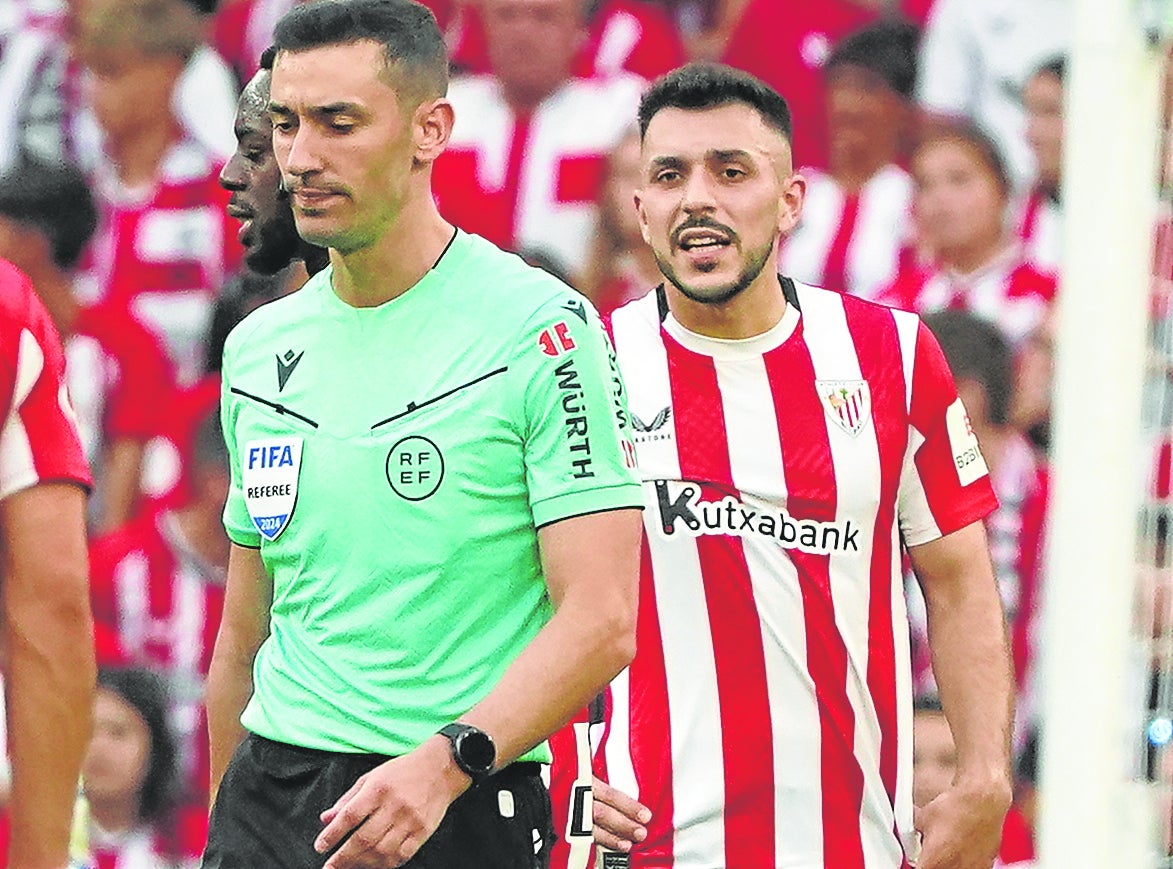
(244, 626)
(592, 571)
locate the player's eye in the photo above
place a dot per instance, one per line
(733, 173)
(667, 176)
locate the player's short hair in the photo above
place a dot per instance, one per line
(710, 85)
(966, 132)
(266, 61)
(413, 46)
(55, 200)
(977, 350)
(154, 27)
(146, 692)
(887, 49)
(1056, 66)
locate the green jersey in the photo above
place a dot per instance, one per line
(393, 465)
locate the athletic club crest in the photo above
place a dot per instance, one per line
(847, 402)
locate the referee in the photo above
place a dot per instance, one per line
(434, 520)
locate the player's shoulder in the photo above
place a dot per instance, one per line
(501, 286)
(283, 315)
(642, 315)
(18, 302)
(865, 318)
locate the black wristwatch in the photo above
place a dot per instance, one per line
(472, 749)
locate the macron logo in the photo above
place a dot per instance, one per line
(285, 368)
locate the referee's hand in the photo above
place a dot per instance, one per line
(619, 820)
(391, 811)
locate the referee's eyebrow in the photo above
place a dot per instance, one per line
(278, 109)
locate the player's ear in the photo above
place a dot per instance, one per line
(790, 208)
(642, 214)
(431, 128)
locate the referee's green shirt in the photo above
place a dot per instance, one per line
(393, 465)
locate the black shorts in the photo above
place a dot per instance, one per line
(267, 813)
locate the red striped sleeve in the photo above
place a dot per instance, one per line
(949, 465)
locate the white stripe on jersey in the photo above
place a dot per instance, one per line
(856, 458)
(755, 455)
(18, 469)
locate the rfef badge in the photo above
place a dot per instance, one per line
(269, 471)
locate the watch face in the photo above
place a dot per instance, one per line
(476, 750)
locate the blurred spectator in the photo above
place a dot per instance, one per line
(1030, 408)
(855, 218)
(622, 266)
(960, 200)
(934, 763)
(41, 86)
(982, 366)
(934, 756)
(119, 380)
(1039, 214)
(635, 36)
(130, 776)
(164, 244)
(158, 583)
(977, 56)
(786, 45)
(526, 160)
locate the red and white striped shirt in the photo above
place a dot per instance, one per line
(530, 182)
(766, 717)
(163, 252)
(38, 431)
(1038, 222)
(164, 604)
(851, 242)
(1008, 291)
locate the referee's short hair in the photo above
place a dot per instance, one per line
(413, 46)
(710, 85)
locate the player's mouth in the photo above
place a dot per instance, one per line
(703, 244)
(246, 216)
(312, 197)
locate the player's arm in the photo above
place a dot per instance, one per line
(122, 468)
(50, 672)
(971, 661)
(245, 625)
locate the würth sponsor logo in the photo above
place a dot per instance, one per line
(682, 511)
(575, 419)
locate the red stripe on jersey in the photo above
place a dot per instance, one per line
(734, 621)
(876, 349)
(811, 494)
(650, 736)
(835, 270)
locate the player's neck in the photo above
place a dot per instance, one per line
(396, 262)
(137, 157)
(970, 258)
(754, 311)
(852, 170)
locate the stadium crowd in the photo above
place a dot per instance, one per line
(930, 133)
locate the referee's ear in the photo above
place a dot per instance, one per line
(431, 124)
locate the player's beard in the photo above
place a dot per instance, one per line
(754, 262)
